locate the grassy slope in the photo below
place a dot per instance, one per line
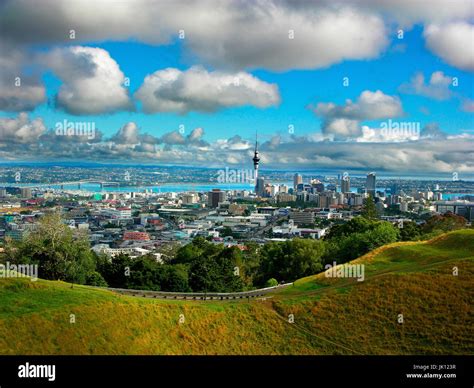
(332, 316)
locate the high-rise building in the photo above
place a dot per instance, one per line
(214, 197)
(3, 192)
(189, 198)
(25, 192)
(297, 180)
(317, 185)
(260, 187)
(284, 197)
(370, 184)
(345, 184)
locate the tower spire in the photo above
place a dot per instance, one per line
(256, 160)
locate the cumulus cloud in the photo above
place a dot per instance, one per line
(452, 42)
(368, 106)
(437, 87)
(432, 152)
(20, 129)
(284, 35)
(340, 128)
(18, 91)
(343, 121)
(408, 12)
(432, 131)
(247, 34)
(196, 89)
(234, 143)
(128, 134)
(225, 34)
(92, 80)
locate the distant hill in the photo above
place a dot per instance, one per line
(331, 315)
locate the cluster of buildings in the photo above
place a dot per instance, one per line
(141, 223)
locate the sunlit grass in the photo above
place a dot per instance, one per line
(332, 316)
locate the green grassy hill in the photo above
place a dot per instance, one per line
(331, 315)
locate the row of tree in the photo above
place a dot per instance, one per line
(202, 266)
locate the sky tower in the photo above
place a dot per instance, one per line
(256, 160)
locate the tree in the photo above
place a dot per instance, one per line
(272, 282)
(115, 270)
(216, 273)
(355, 225)
(369, 210)
(174, 278)
(410, 231)
(343, 247)
(58, 252)
(96, 279)
(290, 260)
(444, 222)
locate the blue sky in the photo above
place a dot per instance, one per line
(286, 84)
(298, 89)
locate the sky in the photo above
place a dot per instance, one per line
(369, 85)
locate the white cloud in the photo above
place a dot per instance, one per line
(196, 89)
(92, 80)
(437, 87)
(21, 129)
(128, 134)
(408, 12)
(247, 34)
(342, 121)
(18, 92)
(340, 128)
(226, 34)
(368, 106)
(433, 151)
(453, 42)
(257, 35)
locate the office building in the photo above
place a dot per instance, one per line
(25, 192)
(461, 208)
(297, 180)
(345, 184)
(215, 197)
(304, 218)
(370, 184)
(260, 187)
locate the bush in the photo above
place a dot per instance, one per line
(345, 247)
(96, 279)
(271, 282)
(290, 260)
